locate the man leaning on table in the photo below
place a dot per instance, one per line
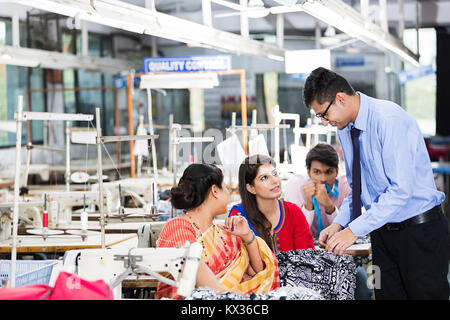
(389, 170)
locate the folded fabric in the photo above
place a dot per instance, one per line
(68, 286)
(334, 277)
(283, 293)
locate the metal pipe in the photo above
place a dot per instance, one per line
(84, 39)
(280, 30)
(417, 29)
(100, 176)
(107, 139)
(150, 123)
(15, 27)
(317, 34)
(206, 13)
(401, 18)
(16, 189)
(116, 114)
(29, 126)
(27, 163)
(244, 109)
(67, 155)
(244, 19)
(130, 126)
(383, 15)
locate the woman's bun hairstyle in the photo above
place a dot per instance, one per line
(194, 185)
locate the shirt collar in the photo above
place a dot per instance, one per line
(363, 113)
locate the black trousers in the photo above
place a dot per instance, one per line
(413, 262)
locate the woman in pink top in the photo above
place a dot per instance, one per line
(322, 190)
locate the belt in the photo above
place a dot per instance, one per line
(428, 216)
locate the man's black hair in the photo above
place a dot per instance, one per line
(323, 153)
(323, 84)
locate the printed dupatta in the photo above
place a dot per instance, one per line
(216, 243)
(225, 255)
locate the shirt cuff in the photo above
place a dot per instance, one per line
(341, 220)
(336, 211)
(357, 227)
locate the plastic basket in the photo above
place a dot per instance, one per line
(28, 272)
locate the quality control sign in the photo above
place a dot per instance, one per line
(188, 64)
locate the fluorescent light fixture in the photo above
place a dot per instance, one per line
(181, 80)
(340, 15)
(274, 57)
(305, 61)
(119, 14)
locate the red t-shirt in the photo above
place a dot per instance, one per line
(292, 231)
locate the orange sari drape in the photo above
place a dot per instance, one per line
(225, 255)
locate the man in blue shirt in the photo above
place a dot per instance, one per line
(389, 170)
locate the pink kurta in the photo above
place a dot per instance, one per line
(294, 193)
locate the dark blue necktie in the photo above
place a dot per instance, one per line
(356, 174)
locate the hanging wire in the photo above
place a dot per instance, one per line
(109, 156)
(86, 163)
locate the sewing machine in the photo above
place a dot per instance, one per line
(117, 264)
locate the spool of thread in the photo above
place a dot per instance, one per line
(45, 219)
(84, 220)
(154, 193)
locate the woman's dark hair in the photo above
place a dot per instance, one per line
(248, 171)
(323, 153)
(323, 85)
(194, 185)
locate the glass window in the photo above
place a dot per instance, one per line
(420, 94)
(86, 101)
(15, 81)
(3, 91)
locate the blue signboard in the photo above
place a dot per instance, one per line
(188, 64)
(121, 81)
(350, 61)
(416, 73)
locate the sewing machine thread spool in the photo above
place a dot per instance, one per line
(84, 216)
(45, 213)
(154, 193)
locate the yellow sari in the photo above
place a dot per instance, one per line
(225, 255)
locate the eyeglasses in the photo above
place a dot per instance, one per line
(322, 115)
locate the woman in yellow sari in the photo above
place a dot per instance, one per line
(233, 258)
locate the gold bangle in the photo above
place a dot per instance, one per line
(249, 242)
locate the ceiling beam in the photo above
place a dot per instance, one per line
(56, 60)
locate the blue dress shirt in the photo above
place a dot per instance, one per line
(397, 181)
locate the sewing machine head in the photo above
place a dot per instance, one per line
(113, 265)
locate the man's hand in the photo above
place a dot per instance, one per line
(322, 198)
(310, 189)
(327, 233)
(340, 241)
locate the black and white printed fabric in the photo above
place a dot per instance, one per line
(332, 276)
(359, 260)
(283, 293)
